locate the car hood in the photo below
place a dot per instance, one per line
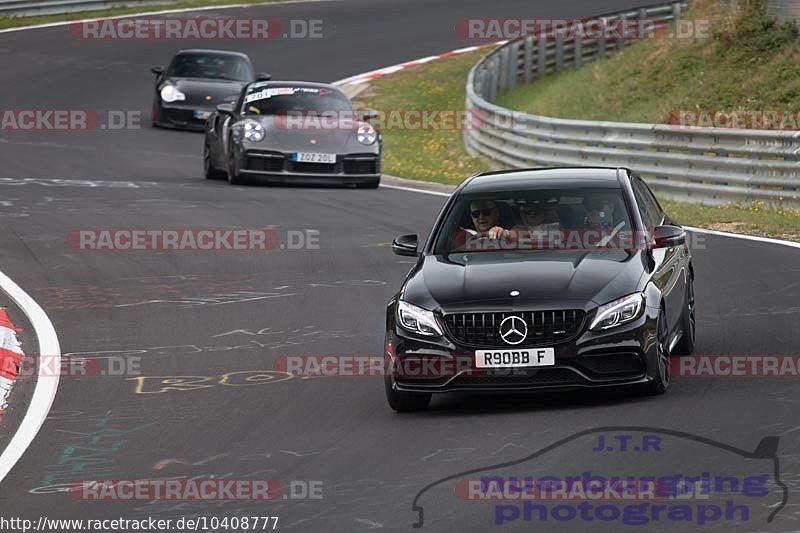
(198, 90)
(584, 280)
(288, 139)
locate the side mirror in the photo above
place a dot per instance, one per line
(667, 236)
(369, 114)
(406, 245)
(263, 76)
(158, 71)
(225, 108)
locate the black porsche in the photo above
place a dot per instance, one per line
(561, 278)
(292, 132)
(195, 82)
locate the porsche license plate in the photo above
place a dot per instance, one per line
(313, 157)
(505, 358)
(202, 115)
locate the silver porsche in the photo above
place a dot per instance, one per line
(279, 131)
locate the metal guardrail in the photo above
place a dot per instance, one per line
(698, 165)
(25, 8)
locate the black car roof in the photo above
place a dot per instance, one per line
(542, 178)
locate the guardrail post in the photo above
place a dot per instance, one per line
(513, 63)
(494, 78)
(479, 82)
(503, 72)
(541, 57)
(578, 48)
(527, 64)
(559, 54)
(676, 10)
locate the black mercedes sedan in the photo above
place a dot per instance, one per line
(195, 82)
(286, 131)
(561, 278)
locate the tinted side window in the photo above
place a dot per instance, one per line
(651, 198)
(647, 210)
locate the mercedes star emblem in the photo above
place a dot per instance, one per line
(513, 330)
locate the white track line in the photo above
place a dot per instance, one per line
(413, 189)
(745, 237)
(45, 391)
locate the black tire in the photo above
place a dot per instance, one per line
(685, 345)
(371, 184)
(234, 177)
(406, 402)
(661, 379)
(154, 116)
(209, 171)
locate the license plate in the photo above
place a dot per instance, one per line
(313, 157)
(515, 358)
(202, 114)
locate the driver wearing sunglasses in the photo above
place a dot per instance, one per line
(485, 217)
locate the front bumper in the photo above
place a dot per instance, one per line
(618, 357)
(180, 116)
(279, 167)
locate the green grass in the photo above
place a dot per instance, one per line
(744, 61)
(755, 219)
(426, 154)
(17, 21)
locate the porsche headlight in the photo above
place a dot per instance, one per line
(417, 319)
(366, 134)
(254, 132)
(170, 93)
(618, 312)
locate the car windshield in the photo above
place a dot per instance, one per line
(294, 100)
(533, 220)
(212, 66)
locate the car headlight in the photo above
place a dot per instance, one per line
(170, 93)
(366, 134)
(618, 312)
(417, 319)
(254, 132)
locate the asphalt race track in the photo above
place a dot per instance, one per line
(210, 316)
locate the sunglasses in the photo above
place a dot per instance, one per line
(485, 212)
